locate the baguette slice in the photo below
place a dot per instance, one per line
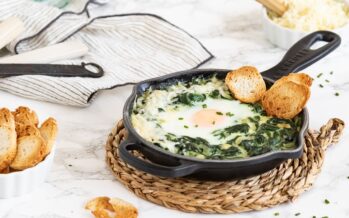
(123, 209)
(246, 84)
(49, 131)
(30, 149)
(8, 144)
(286, 100)
(25, 116)
(300, 78)
(104, 207)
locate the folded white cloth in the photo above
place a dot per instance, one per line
(129, 47)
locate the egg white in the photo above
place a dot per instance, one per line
(171, 119)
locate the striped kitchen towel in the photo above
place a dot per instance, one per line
(129, 47)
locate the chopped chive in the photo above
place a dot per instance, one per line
(326, 201)
(336, 94)
(185, 126)
(204, 106)
(331, 72)
(347, 177)
(313, 216)
(276, 214)
(219, 113)
(324, 217)
(327, 80)
(297, 214)
(161, 109)
(180, 118)
(319, 75)
(229, 114)
(321, 86)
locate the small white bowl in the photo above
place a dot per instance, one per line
(23, 182)
(285, 37)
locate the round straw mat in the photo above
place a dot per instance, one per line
(280, 185)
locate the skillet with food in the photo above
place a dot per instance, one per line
(188, 124)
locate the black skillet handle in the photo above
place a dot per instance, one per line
(300, 56)
(84, 70)
(181, 170)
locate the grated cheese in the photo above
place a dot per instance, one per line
(312, 15)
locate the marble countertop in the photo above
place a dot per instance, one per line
(232, 31)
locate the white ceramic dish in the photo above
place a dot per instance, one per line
(285, 38)
(23, 182)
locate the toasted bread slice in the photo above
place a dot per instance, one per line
(30, 149)
(8, 144)
(246, 84)
(300, 78)
(25, 116)
(123, 209)
(49, 131)
(286, 100)
(104, 207)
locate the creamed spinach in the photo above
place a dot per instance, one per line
(200, 118)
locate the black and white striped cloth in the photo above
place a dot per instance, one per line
(130, 48)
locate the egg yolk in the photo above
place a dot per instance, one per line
(207, 118)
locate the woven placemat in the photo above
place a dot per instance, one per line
(277, 186)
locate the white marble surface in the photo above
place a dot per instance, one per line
(231, 30)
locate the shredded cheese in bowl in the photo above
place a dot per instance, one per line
(313, 15)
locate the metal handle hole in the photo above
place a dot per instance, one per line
(92, 68)
(318, 44)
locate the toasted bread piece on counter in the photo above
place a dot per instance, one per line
(8, 143)
(300, 78)
(31, 147)
(48, 131)
(285, 100)
(246, 84)
(104, 207)
(25, 116)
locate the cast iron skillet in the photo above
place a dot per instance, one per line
(166, 164)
